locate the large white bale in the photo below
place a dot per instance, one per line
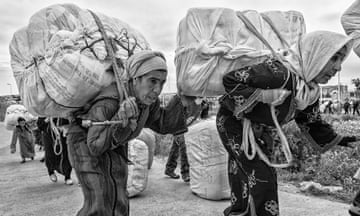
(13, 112)
(208, 161)
(350, 21)
(148, 137)
(138, 153)
(214, 41)
(60, 62)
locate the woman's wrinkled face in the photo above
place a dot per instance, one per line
(331, 67)
(148, 87)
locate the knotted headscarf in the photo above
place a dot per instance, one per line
(144, 62)
(309, 57)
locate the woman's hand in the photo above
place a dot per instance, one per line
(274, 97)
(128, 112)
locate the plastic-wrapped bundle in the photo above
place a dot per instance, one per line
(138, 172)
(214, 41)
(350, 21)
(148, 137)
(60, 61)
(13, 112)
(208, 161)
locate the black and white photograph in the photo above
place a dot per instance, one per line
(179, 108)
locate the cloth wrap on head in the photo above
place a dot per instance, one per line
(144, 62)
(312, 53)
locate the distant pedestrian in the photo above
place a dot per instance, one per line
(356, 107)
(328, 107)
(26, 141)
(346, 106)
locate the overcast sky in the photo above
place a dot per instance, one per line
(158, 20)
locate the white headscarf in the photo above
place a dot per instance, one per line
(308, 58)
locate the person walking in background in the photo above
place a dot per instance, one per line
(178, 147)
(56, 154)
(26, 141)
(328, 107)
(346, 106)
(205, 107)
(356, 107)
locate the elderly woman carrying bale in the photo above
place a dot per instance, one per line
(98, 153)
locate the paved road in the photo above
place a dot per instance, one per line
(27, 191)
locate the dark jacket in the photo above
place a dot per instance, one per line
(243, 86)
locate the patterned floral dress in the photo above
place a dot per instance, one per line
(253, 182)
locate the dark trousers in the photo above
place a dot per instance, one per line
(53, 162)
(253, 183)
(178, 147)
(356, 110)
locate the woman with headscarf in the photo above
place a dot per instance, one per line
(262, 97)
(99, 153)
(23, 132)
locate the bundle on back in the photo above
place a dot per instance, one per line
(60, 61)
(350, 21)
(214, 41)
(13, 113)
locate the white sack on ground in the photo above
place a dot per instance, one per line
(13, 112)
(214, 41)
(148, 137)
(59, 59)
(350, 21)
(138, 153)
(208, 161)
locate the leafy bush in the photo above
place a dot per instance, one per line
(335, 167)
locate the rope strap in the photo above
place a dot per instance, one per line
(110, 46)
(56, 136)
(248, 140)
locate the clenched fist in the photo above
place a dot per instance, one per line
(128, 110)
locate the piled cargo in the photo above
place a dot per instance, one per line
(148, 137)
(208, 161)
(60, 61)
(13, 113)
(214, 41)
(350, 21)
(140, 153)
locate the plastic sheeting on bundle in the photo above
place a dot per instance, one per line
(13, 112)
(148, 137)
(138, 172)
(214, 41)
(350, 21)
(60, 62)
(208, 161)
